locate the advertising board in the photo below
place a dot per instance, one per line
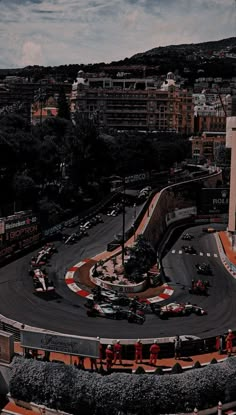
(71, 345)
(214, 200)
(178, 214)
(19, 220)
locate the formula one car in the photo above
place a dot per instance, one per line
(70, 239)
(138, 317)
(204, 269)
(40, 259)
(209, 230)
(103, 295)
(199, 287)
(105, 310)
(43, 255)
(178, 309)
(189, 249)
(41, 282)
(187, 237)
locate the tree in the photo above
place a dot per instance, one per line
(63, 106)
(141, 257)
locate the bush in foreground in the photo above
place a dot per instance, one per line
(71, 390)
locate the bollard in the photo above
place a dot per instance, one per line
(195, 411)
(219, 408)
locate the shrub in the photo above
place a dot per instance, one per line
(159, 371)
(140, 370)
(197, 365)
(213, 361)
(177, 368)
(76, 391)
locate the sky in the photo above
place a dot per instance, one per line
(59, 32)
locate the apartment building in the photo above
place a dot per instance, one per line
(19, 97)
(205, 145)
(134, 103)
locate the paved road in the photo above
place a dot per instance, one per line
(67, 312)
(220, 304)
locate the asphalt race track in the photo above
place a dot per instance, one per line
(66, 313)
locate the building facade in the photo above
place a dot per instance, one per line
(134, 104)
(205, 145)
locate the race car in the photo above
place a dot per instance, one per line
(187, 237)
(178, 309)
(199, 287)
(136, 317)
(39, 260)
(103, 295)
(49, 249)
(105, 310)
(204, 269)
(189, 249)
(43, 255)
(41, 282)
(209, 230)
(70, 239)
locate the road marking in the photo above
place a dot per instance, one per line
(201, 253)
(180, 252)
(208, 254)
(215, 255)
(173, 251)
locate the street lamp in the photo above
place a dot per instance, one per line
(123, 224)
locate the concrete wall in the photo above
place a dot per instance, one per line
(171, 198)
(5, 371)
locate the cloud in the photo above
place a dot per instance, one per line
(31, 54)
(55, 32)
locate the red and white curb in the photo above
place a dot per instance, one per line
(73, 286)
(223, 257)
(70, 280)
(167, 293)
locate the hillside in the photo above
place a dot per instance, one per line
(213, 58)
(206, 48)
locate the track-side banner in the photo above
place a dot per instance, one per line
(72, 345)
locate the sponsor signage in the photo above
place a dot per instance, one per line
(17, 221)
(72, 345)
(136, 177)
(20, 233)
(15, 247)
(215, 200)
(178, 214)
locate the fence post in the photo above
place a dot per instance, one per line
(219, 408)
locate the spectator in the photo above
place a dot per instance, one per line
(229, 342)
(219, 344)
(154, 350)
(93, 363)
(177, 346)
(118, 352)
(81, 362)
(138, 351)
(100, 351)
(109, 357)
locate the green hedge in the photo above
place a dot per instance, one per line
(72, 390)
